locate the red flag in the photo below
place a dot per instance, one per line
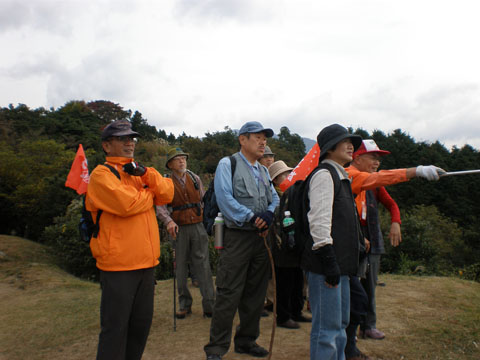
(304, 167)
(78, 176)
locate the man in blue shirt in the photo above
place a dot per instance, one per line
(247, 201)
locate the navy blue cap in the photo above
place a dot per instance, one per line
(253, 127)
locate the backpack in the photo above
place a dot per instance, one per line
(210, 206)
(295, 199)
(86, 227)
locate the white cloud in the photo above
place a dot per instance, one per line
(198, 66)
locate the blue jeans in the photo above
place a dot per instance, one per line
(330, 317)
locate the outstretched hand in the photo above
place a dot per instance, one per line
(429, 172)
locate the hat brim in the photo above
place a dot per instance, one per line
(356, 141)
(280, 172)
(379, 152)
(123, 133)
(268, 132)
(173, 157)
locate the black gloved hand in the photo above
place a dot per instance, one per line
(329, 264)
(134, 169)
(266, 216)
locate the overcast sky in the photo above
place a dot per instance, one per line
(200, 65)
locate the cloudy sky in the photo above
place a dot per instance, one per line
(201, 65)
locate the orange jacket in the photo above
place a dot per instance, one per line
(363, 181)
(129, 238)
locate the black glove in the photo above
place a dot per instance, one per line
(329, 264)
(266, 216)
(134, 169)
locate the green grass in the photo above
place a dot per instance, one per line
(49, 314)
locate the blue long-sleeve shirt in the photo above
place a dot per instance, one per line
(228, 205)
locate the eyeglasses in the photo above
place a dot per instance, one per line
(125, 139)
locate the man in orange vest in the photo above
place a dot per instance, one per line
(183, 218)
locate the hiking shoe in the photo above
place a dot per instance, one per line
(182, 313)
(302, 318)
(264, 313)
(254, 350)
(374, 334)
(360, 356)
(289, 324)
(214, 357)
(207, 314)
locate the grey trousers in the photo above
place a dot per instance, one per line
(242, 276)
(192, 247)
(370, 284)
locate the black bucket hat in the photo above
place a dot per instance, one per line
(332, 135)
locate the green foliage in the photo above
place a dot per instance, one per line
(63, 237)
(33, 175)
(431, 243)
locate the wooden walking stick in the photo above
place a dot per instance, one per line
(274, 320)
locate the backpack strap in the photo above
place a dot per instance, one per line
(100, 211)
(194, 180)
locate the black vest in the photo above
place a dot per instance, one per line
(345, 229)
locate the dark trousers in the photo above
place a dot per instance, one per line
(126, 312)
(370, 284)
(289, 293)
(358, 313)
(242, 277)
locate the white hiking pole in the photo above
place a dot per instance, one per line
(464, 172)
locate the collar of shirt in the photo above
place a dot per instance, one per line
(340, 169)
(180, 178)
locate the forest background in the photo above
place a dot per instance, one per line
(440, 224)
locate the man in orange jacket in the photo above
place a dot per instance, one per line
(127, 246)
(367, 185)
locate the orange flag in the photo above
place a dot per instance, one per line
(78, 176)
(303, 169)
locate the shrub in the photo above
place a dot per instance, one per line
(429, 240)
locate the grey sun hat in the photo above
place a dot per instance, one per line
(268, 151)
(332, 135)
(253, 127)
(118, 128)
(173, 153)
(277, 168)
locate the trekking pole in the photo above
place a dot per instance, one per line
(274, 319)
(464, 172)
(174, 285)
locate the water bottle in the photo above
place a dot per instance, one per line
(288, 221)
(218, 230)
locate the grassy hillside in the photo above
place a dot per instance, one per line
(48, 314)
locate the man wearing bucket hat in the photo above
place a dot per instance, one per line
(268, 157)
(331, 254)
(368, 186)
(184, 224)
(247, 202)
(127, 246)
(288, 274)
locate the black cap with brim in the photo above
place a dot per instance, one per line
(332, 135)
(119, 128)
